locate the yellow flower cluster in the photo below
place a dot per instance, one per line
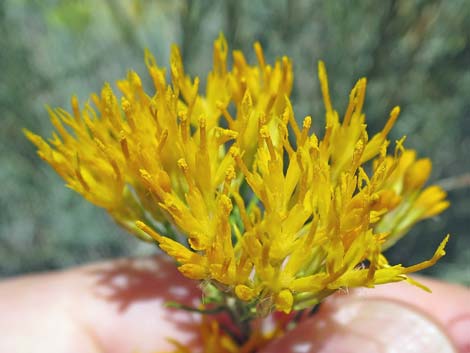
(214, 339)
(239, 194)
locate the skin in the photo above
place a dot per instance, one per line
(118, 307)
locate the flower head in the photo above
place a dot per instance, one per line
(236, 191)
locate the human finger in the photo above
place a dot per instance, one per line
(117, 306)
(396, 317)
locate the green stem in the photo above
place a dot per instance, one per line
(241, 318)
(314, 310)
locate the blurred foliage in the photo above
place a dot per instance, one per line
(415, 53)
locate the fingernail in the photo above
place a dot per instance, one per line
(366, 325)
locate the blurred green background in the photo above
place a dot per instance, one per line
(415, 54)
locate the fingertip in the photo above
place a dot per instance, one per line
(372, 325)
(448, 304)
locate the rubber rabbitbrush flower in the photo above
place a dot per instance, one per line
(266, 214)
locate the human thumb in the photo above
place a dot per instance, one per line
(366, 325)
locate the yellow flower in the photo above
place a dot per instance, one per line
(214, 339)
(276, 221)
